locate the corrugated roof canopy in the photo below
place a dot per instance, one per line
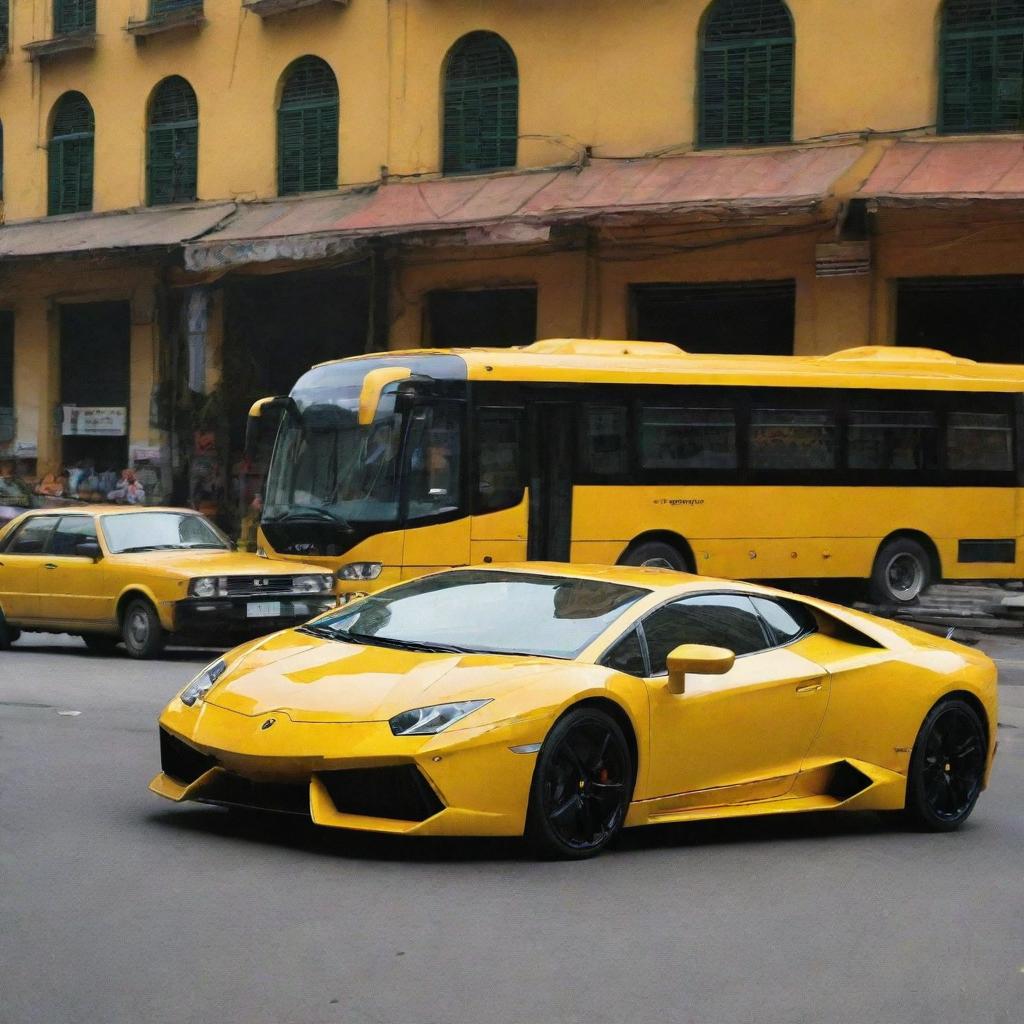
(912, 173)
(317, 226)
(107, 232)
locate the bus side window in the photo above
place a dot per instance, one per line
(499, 443)
(891, 439)
(979, 441)
(604, 440)
(433, 460)
(674, 438)
(793, 439)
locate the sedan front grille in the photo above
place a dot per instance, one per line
(181, 762)
(399, 792)
(254, 586)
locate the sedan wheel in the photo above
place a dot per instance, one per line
(141, 630)
(582, 786)
(947, 767)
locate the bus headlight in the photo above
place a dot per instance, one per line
(360, 571)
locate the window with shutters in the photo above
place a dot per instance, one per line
(71, 155)
(166, 8)
(172, 147)
(307, 128)
(73, 16)
(481, 105)
(5, 26)
(981, 66)
(745, 91)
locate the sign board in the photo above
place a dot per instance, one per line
(145, 453)
(26, 449)
(94, 420)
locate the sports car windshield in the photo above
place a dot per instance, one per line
(485, 612)
(156, 531)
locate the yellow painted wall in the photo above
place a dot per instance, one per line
(619, 77)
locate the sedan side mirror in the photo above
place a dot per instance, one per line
(699, 658)
(89, 549)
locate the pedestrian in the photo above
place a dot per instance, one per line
(128, 490)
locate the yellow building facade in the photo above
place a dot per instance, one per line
(345, 175)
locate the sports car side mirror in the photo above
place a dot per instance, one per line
(89, 549)
(699, 658)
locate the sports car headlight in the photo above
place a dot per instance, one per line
(200, 686)
(435, 719)
(313, 584)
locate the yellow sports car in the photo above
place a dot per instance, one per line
(143, 575)
(567, 703)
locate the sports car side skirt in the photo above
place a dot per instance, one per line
(845, 785)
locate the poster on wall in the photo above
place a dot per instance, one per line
(94, 420)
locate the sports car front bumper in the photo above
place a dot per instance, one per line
(352, 775)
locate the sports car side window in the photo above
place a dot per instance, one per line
(719, 620)
(786, 620)
(627, 656)
(32, 536)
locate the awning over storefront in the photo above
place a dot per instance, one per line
(522, 207)
(947, 172)
(103, 233)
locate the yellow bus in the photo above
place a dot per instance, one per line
(895, 466)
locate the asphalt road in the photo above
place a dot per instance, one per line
(117, 907)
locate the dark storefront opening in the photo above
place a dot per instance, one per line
(6, 377)
(978, 318)
(276, 328)
(496, 317)
(95, 352)
(746, 317)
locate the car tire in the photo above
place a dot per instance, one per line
(902, 571)
(947, 766)
(658, 554)
(582, 786)
(8, 634)
(101, 643)
(141, 631)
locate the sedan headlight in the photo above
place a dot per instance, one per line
(360, 571)
(200, 686)
(204, 586)
(435, 719)
(319, 584)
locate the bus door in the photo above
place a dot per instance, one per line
(550, 446)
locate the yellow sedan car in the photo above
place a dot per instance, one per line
(566, 703)
(144, 575)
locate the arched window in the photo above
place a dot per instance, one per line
(172, 146)
(73, 16)
(745, 92)
(307, 128)
(981, 66)
(481, 105)
(70, 152)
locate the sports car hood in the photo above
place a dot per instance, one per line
(317, 680)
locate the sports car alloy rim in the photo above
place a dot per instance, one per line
(585, 786)
(954, 760)
(138, 628)
(905, 576)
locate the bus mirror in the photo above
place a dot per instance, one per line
(374, 384)
(699, 658)
(264, 417)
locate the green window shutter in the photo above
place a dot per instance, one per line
(5, 24)
(481, 105)
(73, 16)
(71, 155)
(160, 8)
(981, 66)
(746, 74)
(307, 129)
(172, 144)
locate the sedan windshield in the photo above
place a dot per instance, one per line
(155, 531)
(486, 612)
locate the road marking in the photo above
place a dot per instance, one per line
(69, 714)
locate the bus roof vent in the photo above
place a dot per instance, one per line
(600, 347)
(894, 354)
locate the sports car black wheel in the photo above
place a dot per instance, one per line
(946, 767)
(582, 785)
(141, 630)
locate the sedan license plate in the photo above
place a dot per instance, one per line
(263, 609)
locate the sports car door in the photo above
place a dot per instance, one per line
(735, 737)
(20, 565)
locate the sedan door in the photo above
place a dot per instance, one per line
(71, 586)
(734, 737)
(20, 565)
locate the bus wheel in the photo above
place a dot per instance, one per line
(901, 572)
(657, 554)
